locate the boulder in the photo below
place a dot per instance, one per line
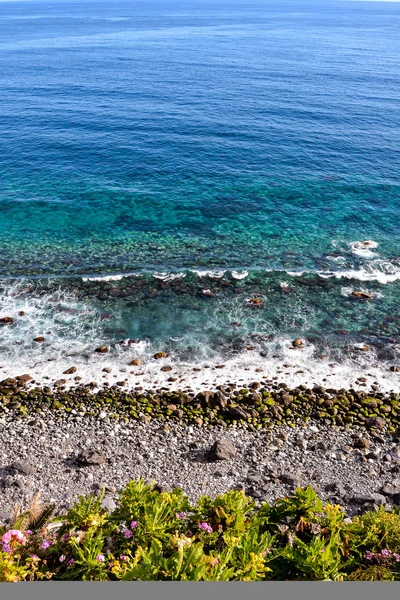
(159, 355)
(222, 450)
(101, 349)
(136, 362)
(91, 456)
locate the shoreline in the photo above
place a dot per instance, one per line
(283, 438)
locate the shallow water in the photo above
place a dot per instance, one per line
(237, 148)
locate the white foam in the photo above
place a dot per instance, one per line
(169, 276)
(364, 249)
(240, 274)
(364, 275)
(214, 274)
(109, 277)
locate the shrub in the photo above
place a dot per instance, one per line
(162, 536)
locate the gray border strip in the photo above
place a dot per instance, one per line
(298, 590)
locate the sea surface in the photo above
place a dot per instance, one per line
(164, 163)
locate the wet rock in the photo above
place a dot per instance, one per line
(6, 321)
(394, 369)
(136, 362)
(361, 295)
(166, 369)
(106, 370)
(297, 343)
(222, 450)
(39, 340)
(101, 349)
(255, 302)
(60, 382)
(23, 466)
(91, 456)
(23, 379)
(70, 371)
(159, 355)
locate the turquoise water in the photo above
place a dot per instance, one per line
(144, 138)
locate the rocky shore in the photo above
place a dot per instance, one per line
(270, 439)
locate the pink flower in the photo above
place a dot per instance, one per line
(385, 553)
(71, 561)
(396, 556)
(46, 544)
(100, 557)
(181, 515)
(29, 532)
(35, 556)
(128, 534)
(134, 524)
(206, 527)
(123, 557)
(65, 537)
(62, 558)
(14, 535)
(6, 548)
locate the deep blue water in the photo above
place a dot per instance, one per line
(142, 137)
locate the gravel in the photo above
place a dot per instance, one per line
(267, 465)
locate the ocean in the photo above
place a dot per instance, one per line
(207, 179)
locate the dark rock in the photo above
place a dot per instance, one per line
(91, 456)
(6, 321)
(101, 350)
(24, 467)
(255, 479)
(70, 371)
(136, 362)
(23, 379)
(394, 369)
(166, 369)
(361, 443)
(222, 450)
(289, 479)
(236, 412)
(337, 488)
(40, 339)
(389, 490)
(376, 422)
(8, 481)
(297, 343)
(378, 499)
(159, 355)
